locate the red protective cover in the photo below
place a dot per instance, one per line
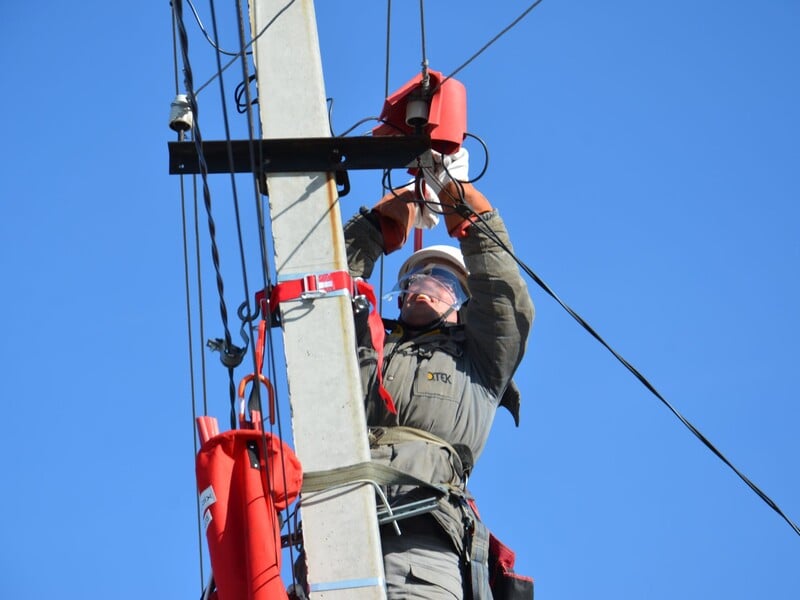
(447, 121)
(240, 494)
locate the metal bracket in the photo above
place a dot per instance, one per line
(404, 511)
(300, 155)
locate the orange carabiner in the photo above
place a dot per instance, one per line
(271, 392)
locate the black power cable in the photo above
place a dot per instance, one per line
(484, 227)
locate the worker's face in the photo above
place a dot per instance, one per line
(428, 294)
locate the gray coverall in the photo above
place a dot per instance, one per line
(447, 382)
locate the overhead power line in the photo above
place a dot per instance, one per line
(696, 432)
(492, 41)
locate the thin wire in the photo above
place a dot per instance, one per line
(189, 327)
(233, 60)
(256, 158)
(388, 40)
(482, 172)
(175, 52)
(381, 268)
(205, 33)
(200, 303)
(424, 64)
(242, 89)
(484, 226)
(254, 150)
(188, 77)
(253, 169)
(490, 42)
(234, 191)
(191, 365)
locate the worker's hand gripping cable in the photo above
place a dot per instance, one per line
(460, 202)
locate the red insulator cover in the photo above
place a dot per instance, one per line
(240, 494)
(447, 119)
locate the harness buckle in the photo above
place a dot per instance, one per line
(314, 287)
(304, 287)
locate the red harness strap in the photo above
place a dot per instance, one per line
(310, 286)
(254, 422)
(317, 285)
(378, 335)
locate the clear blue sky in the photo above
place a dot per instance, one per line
(646, 158)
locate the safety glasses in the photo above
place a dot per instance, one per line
(433, 281)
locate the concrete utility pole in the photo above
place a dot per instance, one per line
(340, 528)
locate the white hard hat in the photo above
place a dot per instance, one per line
(448, 256)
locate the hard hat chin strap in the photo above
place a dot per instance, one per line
(437, 323)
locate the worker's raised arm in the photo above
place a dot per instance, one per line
(499, 314)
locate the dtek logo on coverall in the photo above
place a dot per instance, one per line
(441, 377)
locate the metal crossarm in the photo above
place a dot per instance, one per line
(298, 155)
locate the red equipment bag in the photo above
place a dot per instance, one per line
(241, 493)
(504, 582)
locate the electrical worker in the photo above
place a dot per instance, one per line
(465, 316)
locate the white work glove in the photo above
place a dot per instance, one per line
(424, 217)
(427, 218)
(439, 169)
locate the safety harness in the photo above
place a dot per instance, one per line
(488, 563)
(317, 285)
